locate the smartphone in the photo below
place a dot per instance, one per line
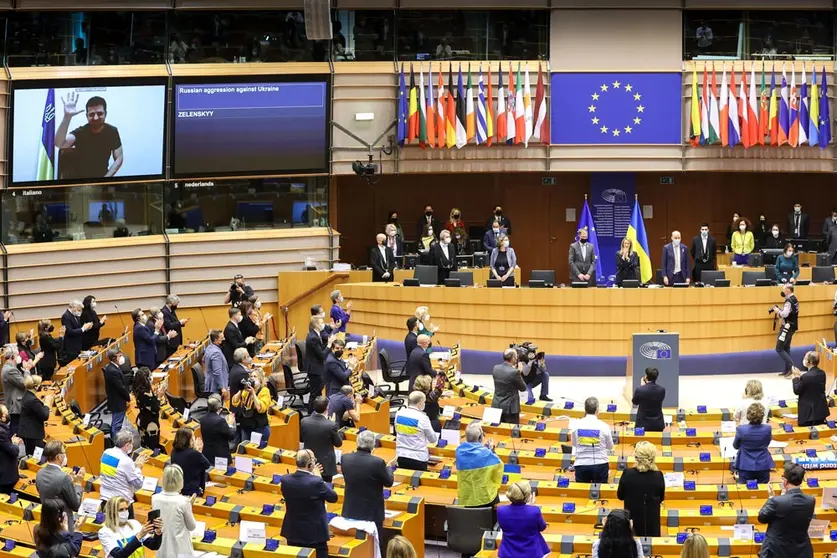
(152, 515)
(76, 469)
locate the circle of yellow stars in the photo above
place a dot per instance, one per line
(605, 88)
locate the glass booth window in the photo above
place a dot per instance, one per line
(713, 34)
(81, 213)
(269, 36)
(248, 204)
(803, 34)
(518, 35)
(441, 35)
(364, 35)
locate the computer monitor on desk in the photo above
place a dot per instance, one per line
(769, 255)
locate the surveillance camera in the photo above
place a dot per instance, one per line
(364, 169)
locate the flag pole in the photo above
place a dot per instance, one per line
(636, 197)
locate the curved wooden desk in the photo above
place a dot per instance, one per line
(588, 322)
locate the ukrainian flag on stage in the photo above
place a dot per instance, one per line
(636, 232)
(479, 473)
(46, 148)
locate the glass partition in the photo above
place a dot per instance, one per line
(363, 35)
(713, 34)
(81, 212)
(231, 205)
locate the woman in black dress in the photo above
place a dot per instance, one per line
(90, 338)
(50, 346)
(643, 490)
(148, 405)
(247, 327)
(432, 394)
(627, 262)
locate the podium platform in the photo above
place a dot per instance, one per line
(660, 351)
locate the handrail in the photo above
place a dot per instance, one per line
(295, 300)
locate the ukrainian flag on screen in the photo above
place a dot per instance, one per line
(46, 147)
(636, 232)
(588, 437)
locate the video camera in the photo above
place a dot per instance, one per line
(527, 351)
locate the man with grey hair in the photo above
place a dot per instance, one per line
(592, 440)
(119, 475)
(71, 320)
(508, 382)
(413, 433)
(13, 387)
(305, 493)
(217, 433)
(479, 470)
(366, 476)
(338, 314)
(344, 406)
(418, 361)
(172, 323)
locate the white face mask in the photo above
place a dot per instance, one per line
(93, 304)
(258, 304)
(63, 459)
(18, 359)
(238, 318)
(123, 517)
(496, 231)
(430, 232)
(775, 234)
(704, 234)
(742, 228)
(788, 253)
(143, 318)
(675, 243)
(77, 314)
(121, 360)
(447, 240)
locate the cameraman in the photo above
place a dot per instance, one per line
(507, 383)
(535, 374)
(238, 292)
(790, 323)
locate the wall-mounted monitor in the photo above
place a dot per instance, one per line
(250, 126)
(87, 130)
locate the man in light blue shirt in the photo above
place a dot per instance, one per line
(216, 373)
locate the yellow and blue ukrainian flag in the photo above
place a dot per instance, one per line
(479, 474)
(46, 148)
(636, 232)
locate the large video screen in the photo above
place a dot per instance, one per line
(87, 130)
(248, 128)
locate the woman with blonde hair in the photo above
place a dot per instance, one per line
(254, 404)
(425, 327)
(627, 262)
(125, 538)
(176, 514)
(400, 547)
(643, 490)
(33, 414)
(753, 393)
(695, 547)
(522, 524)
(432, 391)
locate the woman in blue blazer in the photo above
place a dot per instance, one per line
(522, 524)
(753, 460)
(503, 261)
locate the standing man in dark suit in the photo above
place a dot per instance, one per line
(703, 252)
(117, 393)
(428, 219)
(172, 323)
(71, 320)
(508, 381)
(146, 339)
(315, 356)
(831, 245)
(810, 387)
(418, 363)
(337, 373)
(649, 401)
(500, 217)
(443, 256)
(788, 517)
(216, 431)
(411, 340)
(233, 338)
(4, 326)
(675, 262)
(492, 236)
(365, 476)
(382, 261)
(798, 222)
(320, 435)
(305, 493)
(582, 260)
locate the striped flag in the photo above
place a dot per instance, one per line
(753, 110)
(793, 118)
(528, 115)
(412, 117)
(724, 106)
(814, 116)
(431, 110)
(461, 133)
(541, 129)
(440, 111)
(803, 110)
(734, 122)
(422, 111)
(773, 115)
(450, 112)
(704, 109)
(519, 114)
(502, 126)
(470, 116)
(46, 147)
(784, 110)
(510, 99)
(825, 113)
(742, 111)
(714, 112)
(694, 120)
(481, 126)
(764, 110)
(489, 111)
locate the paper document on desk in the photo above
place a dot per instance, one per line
(492, 415)
(352, 345)
(777, 444)
(149, 483)
(89, 507)
(158, 375)
(829, 498)
(389, 514)
(451, 436)
(252, 532)
(440, 355)
(817, 528)
(728, 427)
(199, 530)
(743, 532)
(674, 480)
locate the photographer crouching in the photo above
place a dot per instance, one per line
(789, 313)
(533, 370)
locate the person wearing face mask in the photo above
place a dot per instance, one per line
(774, 240)
(787, 265)
(233, 336)
(52, 482)
(458, 233)
(427, 240)
(127, 538)
(393, 220)
(116, 390)
(508, 381)
(382, 260)
(762, 231)
(316, 352)
(444, 256)
(33, 414)
(675, 262)
(305, 493)
(789, 312)
(74, 328)
(393, 241)
(53, 538)
(788, 516)
(492, 236)
(90, 338)
(148, 400)
(337, 374)
(428, 222)
(261, 322)
(582, 260)
(810, 388)
(187, 453)
(155, 321)
(340, 316)
(9, 450)
(454, 220)
(422, 314)
(119, 475)
(798, 222)
(627, 262)
(413, 433)
(418, 361)
(13, 384)
(503, 261)
(321, 435)
(238, 291)
(253, 402)
(500, 217)
(732, 227)
(147, 335)
(829, 223)
(248, 327)
(49, 348)
(171, 322)
(704, 252)
(743, 243)
(24, 345)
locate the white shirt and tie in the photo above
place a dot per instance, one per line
(444, 246)
(383, 250)
(583, 250)
(676, 257)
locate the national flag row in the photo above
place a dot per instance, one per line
(774, 116)
(457, 116)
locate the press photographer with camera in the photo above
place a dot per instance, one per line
(789, 313)
(533, 370)
(253, 402)
(238, 292)
(508, 381)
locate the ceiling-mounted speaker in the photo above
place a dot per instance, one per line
(318, 20)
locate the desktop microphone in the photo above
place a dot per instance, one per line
(121, 321)
(205, 323)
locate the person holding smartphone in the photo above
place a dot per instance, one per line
(127, 538)
(176, 513)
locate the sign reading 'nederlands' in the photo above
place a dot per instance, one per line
(250, 128)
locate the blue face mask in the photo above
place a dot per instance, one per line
(704, 234)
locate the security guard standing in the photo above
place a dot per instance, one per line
(790, 323)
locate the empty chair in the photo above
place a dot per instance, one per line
(466, 278)
(708, 276)
(199, 381)
(296, 388)
(392, 372)
(821, 274)
(545, 275)
(749, 278)
(466, 526)
(426, 274)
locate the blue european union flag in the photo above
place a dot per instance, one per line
(617, 108)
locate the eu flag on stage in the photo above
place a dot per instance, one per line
(617, 108)
(586, 222)
(46, 147)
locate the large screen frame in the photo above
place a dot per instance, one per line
(251, 78)
(63, 83)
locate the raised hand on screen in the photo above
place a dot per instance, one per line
(70, 105)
